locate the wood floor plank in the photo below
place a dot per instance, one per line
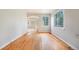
(37, 41)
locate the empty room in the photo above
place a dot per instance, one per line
(39, 29)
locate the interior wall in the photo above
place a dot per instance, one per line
(70, 32)
(12, 24)
(42, 27)
(37, 23)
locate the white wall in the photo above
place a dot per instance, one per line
(12, 24)
(42, 27)
(37, 23)
(70, 32)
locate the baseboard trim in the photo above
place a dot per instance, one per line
(11, 41)
(65, 42)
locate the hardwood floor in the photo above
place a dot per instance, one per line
(37, 41)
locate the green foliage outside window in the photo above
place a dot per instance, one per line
(58, 19)
(45, 19)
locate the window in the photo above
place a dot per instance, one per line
(45, 19)
(58, 19)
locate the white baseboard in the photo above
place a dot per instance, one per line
(12, 40)
(66, 42)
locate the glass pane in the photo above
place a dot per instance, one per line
(45, 19)
(58, 19)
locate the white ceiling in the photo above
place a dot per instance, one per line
(37, 11)
(40, 11)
